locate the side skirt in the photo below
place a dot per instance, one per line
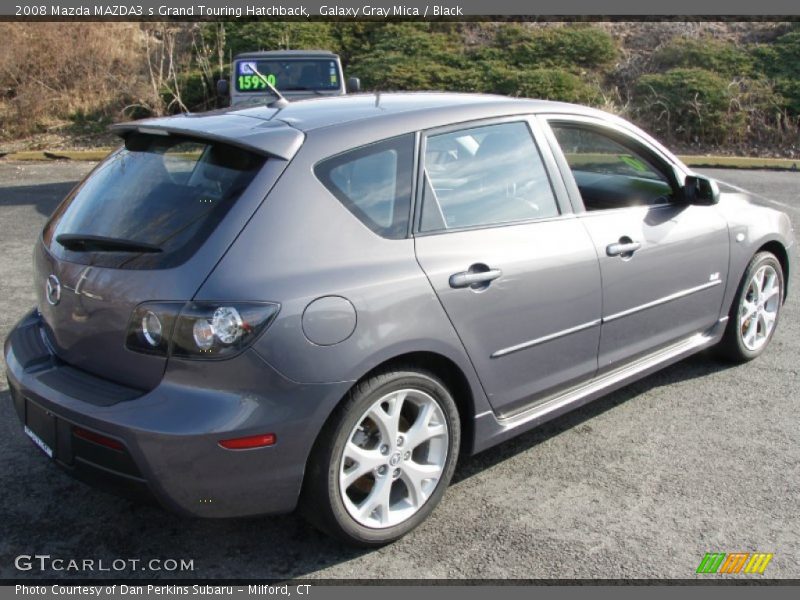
(490, 429)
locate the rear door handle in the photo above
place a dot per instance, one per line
(474, 277)
(623, 248)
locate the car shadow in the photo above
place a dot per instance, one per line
(699, 365)
(44, 508)
(47, 511)
(44, 197)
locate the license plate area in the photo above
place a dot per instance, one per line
(40, 426)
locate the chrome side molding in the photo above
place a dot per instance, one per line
(546, 338)
(609, 318)
(664, 300)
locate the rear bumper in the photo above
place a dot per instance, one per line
(169, 436)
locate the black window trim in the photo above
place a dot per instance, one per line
(560, 192)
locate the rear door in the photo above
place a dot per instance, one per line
(514, 269)
(663, 261)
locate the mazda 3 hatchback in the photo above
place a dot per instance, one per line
(322, 305)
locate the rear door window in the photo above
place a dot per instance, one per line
(374, 183)
(162, 194)
(482, 176)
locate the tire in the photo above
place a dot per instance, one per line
(386, 491)
(747, 338)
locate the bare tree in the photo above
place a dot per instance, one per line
(208, 45)
(162, 49)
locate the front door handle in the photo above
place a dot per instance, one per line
(623, 248)
(477, 277)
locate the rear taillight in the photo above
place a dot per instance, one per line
(197, 329)
(150, 327)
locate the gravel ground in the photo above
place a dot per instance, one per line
(699, 457)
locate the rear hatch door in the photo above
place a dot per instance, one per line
(148, 224)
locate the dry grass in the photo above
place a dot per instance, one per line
(54, 73)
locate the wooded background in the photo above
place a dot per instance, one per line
(729, 87)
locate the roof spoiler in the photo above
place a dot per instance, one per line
(270, 138)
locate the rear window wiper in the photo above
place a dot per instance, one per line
(78, 242)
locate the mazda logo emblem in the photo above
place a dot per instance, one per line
(52, 289)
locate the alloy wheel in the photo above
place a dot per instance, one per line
(394, 458)
(758, 309)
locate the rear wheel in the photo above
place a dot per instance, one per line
(754, 314)
(384, 460)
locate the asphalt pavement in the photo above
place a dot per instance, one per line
(700, 457)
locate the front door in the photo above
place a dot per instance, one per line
(663, 261)
(515, 270)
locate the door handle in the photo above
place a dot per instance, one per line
(624, 249)
(474, 277)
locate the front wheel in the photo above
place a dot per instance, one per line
(754, 314)
(384, 460)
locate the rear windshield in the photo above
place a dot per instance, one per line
(287, 75)
(151, 204)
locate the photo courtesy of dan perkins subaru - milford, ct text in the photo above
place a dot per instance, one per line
(301, 589)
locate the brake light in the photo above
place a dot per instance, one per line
(246, 443)
(197, 329)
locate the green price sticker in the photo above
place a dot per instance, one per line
(248, 83)
(634, 163)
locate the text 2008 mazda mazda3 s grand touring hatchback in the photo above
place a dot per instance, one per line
(320, 305)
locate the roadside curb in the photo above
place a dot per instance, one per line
(745, 163)
(704, 162)
(51, 155)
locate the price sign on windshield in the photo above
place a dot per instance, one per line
(250, 79)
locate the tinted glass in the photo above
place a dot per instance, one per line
(163, 192)
(610, 174)
(287, 75)
(484, 176)
(374, 183)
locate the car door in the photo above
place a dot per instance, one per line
(663, 261)
(514, 269)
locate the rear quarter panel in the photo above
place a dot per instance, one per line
(302, 244)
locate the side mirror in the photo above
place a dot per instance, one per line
(700, 190)
(222, 87)
(353, 85)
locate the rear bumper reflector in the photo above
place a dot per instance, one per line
(253, 441)
(91, 436)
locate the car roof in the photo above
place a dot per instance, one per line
(279, 131)
(333, 111)
(287, 54)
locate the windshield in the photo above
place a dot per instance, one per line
(151, 204)
(287, 75)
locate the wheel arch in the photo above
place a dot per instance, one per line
(451, 375)
(782, 254)
(438, 364)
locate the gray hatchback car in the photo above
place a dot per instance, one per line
(321, 305)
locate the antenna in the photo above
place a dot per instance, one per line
(280, 101)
